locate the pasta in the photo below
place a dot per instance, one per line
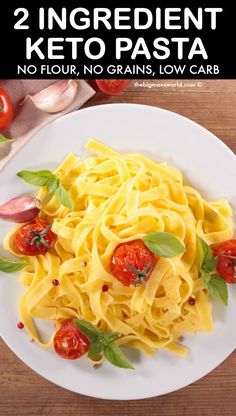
(119, 198)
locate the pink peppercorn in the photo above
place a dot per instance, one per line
(191, 301)
(20, 325)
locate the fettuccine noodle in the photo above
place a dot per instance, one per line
(119, 198)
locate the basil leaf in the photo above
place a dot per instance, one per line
(210, 265)
(52, 185)
(3, 139)
(205, 253)
(47, 178)
(89, 330)
(116, 357)
(63, 197)
(218, 289)
(103, 342)
(205, 277)
(10, 266)
(234, 265)
(109, 336)
(38, 178)
(96, 348)
(163, 244)
(216, 286)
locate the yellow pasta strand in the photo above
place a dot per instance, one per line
(119, 198)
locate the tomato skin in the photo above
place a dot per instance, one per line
(135, 254)
(22, 237)
(69, 342)
(111, 86)
(226, 252)
(6, 110)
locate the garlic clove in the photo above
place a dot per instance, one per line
(55, 98)
(20, 209)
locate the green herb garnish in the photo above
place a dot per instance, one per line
(52, 183)
(103, 342)
(163, 244)
(215, 284)
(10, 266)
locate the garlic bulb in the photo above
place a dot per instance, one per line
(20, 209)
(55, 98)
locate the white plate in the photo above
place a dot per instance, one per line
(165, 136)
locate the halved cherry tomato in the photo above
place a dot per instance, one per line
(132, 263)
(69, 342)
(226, 265)
(34, 238)
(6, 110)
(111, 86)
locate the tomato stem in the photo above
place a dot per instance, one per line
(38, 238)
(140, 274)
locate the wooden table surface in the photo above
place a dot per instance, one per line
(23, 392)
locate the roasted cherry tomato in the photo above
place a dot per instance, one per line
(112, 86)
(132, 263)
(226, 265)
(69, 342)
(34, 238)
(6, 110)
